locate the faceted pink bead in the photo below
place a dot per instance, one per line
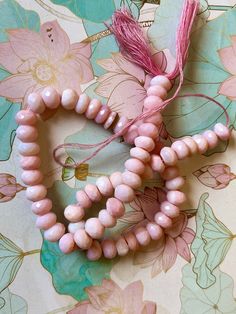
(181, 149)
(26, 117)
(94, 252)
(94, 228)
(155, 118)
(142, 236)
(175, 183)
(163, 220)
(152, 102)
(74, 226)
(145, 142)
(69, 99)
(148, 129)
(157, 90)
(28, 149)
(31, 177)
(54, 233)
(83, 199)
(115, 207)
(201, 142)
(157, 163)
(192, 145)
(35, 103)
(168, 156)
(120, 124)
(93, 109)
(27, 133)
(82, 239)
(131, 134)
(135, 165)
(66, 243)
(132, 241)
(211, 138)
(116, 179)
(104, 186)
(36, 192)
(154, 230)
(122, 246)
(170, 173)
(169, 209)
(124, 193)
(93, 193)
(131, 179)
(82, 104)
(111, 118)
(51, 97)
(139, 153)
(161, 81)
(74, 213)
(103, 114)
(109, 248)
(222, 131)
(176, 197)
(148, 173)
(30, 162)
(106, 219)
(46, 221)
(42, 207)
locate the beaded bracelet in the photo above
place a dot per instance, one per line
(118, 188)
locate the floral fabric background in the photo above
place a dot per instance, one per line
(63, 43)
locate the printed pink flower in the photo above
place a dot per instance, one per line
(161, 255)
(228, 58)
(145, 206)
(8, 187)
(36, 60)
(216, 176)
(110, 298)
(125, 84)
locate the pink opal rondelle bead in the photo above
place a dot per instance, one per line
(31, 177)
(211, 138)
(154, 230)
(82, 104)
(124, 193)
(139, 153)
(155, 118)
(104, 186)
(163, 220)
(93, 109)
(168, 156)
(152, 102)
(69, 99)
(94, 252)
(175, 183)
(35, 103)
(110, 120)
(74, 226)
(115, 207)
(51, 97)
(27, 133)
(148, 129)
(201, 142)
(94, 228)
(42, 207)
(161, 80)
(106, 219)
(102, 114)
(30, 162)
(46, 221)
(131, 134)
(116, 179)
(120, 124)
(74, 213)
(26, 117)
(222, 131)
(145, 143)
(142, 236)
(28, 149)
(157, 164)
(169, 209)
(131, 179)
(36, 192)
(109, 248)
(135, 165)
(82, 239)
(148, 173)
(132, 241)
(157, 90)
(54, 233)
(122, 246)
(192, 145)
(83, 199)
(67, 243)
(170, 173)
(176, 197)
(181, 149)
(93, 193)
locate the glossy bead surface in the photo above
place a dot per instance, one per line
(154, 230)
(145, 143)
(157, 164)
(211, 138)
(26, 117)
(169, 209)
(102, 114)
(115, 207)
(74, 213)
(192, 145)
(122, 246)
(46, 221)
(42, 207)
(94, 228)
(111, 118)
(155, 118)
(157, 90)
(161, 80)
(222, 131)
(152, 102)
(36, 192)
(120, 124)
(28, 149)
(82, 104)
(181, 149)
(176, 197)
(131, 134)
(170, 173)
(30, 162)
(148, 129)
(74, 226)
(93, 193)
(131, 179)
(27, 133)
(104, 186)
(124, 193)
(66, 243)
(175, 183)
(106, 219)
(82, 239)
(163, 220)
(168, 156)
(83, 199)
(93, 109)
(132, 241)
(201, 142)
(35, 103)
(31, 177)
(135, 165)
(109, 248)
(142, 236)
(69, 99)
(54, 233)
(51, 97)
(94, 252)
(139, 153)
(116, 179)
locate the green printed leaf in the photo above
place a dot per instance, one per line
(12, 304)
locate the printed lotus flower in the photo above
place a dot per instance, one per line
(125, 84)
(145, 206)
(8, 187)
(110, 298)
(36, 60)
(228, 58)
(216, 176)
(161, 255)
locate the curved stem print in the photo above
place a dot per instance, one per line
(32, 252)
